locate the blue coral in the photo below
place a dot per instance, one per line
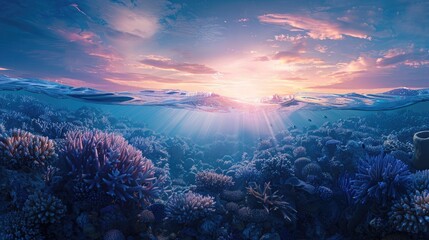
(108, 163)
(189, 207)
(41, 208)
(14, 226)
(380, 179)
(411, 213)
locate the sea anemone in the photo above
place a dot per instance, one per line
(189, 207)
(380, 179)
(21, 149)
(108, 163)
(212, 181)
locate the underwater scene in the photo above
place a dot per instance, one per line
(214, 120)
(77, 163)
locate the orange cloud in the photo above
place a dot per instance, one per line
(316, 28)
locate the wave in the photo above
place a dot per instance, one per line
(211, 102)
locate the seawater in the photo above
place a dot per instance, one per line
(79, 163)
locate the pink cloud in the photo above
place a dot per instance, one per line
(294, 57)
(316, 28)
(3, 69)
(182, 67)
(262, 59)
(395, 57)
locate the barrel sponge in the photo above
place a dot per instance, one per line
(421, 150)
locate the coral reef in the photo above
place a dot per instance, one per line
(380, 179)
(189, 207)
(212, 181)
(21, 149)
(108, 163)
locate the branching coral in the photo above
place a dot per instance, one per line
(271, 201)
(21, 149)
(108, 163)
(212, 181)
(41, 208)
(380, 179)
(188, 207)
(14, 226)
(411, 213)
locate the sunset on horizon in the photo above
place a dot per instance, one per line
(233, 48)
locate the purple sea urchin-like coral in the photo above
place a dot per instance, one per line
(212, 181)
(108, 163)
(380, 179)
(21, 149)
(188, 207)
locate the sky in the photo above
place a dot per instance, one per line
(238, 48)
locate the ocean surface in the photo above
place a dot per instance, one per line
(80, 163)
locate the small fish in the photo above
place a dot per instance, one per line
(363, 145)
(309, 120)
(325, 117)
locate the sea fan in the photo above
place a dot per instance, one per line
(380, 179)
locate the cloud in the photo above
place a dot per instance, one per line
(4, 69)
(395, 57)
(315, 28)
(289, 38)
(262, 59)
(182, 67)
(294, 57)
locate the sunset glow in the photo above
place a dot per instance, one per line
(241, 49)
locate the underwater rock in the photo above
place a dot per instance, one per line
(114, 234)
(270, 236)
(233, 196)
(253, 215)
(421, 150)
(146, 216)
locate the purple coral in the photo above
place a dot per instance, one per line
(212, 181)
(21, 149)
(108, 163)
(188, 207)
(380, 179)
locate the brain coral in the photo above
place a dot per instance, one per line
(107, 162)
